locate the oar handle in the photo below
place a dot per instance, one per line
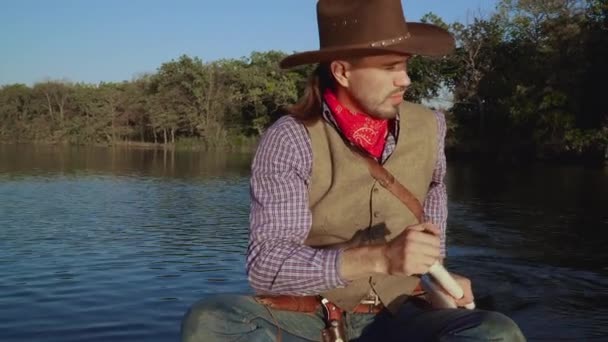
(437, 297)
(446, 281)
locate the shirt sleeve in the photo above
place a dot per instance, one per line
(436, 202)
(278, 262)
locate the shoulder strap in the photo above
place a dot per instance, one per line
(389, 182)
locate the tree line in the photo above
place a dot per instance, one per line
(526, 81)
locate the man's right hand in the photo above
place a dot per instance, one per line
(413, 251)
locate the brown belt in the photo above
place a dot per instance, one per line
(308, 304)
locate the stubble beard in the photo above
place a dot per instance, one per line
(381, 108)
(386, 114)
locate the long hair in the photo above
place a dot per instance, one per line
(309, 106)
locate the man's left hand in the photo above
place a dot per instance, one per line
(465, 284)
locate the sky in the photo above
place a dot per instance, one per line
(114, 40)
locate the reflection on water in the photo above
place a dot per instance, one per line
(531, 238)
(102, 244)
(20, 160)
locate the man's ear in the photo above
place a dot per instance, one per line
(341, 73)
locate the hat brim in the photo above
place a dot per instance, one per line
(425, 40)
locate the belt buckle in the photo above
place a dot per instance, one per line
(372, 300)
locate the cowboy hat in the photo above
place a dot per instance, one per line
(351, 28)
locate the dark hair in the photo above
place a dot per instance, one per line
(309, 106)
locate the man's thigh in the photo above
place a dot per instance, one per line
(417, 322)
(242, 318)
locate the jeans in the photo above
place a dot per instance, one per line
(242, 318)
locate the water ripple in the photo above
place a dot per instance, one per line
(97, 250)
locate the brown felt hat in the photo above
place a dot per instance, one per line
(351, 28)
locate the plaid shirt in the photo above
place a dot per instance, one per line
(278, 262)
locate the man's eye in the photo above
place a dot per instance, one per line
(395, 67)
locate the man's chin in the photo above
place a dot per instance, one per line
(385, 115)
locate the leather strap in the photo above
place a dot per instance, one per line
(390, 183)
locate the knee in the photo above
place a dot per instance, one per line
(499, 327)
(212, 317)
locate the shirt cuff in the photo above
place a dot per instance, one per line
(332, 268)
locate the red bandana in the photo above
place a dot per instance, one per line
(360, 129)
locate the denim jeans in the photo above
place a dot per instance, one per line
(242, 318)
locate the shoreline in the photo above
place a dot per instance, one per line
(452, 154)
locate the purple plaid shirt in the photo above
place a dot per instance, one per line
(278, 262)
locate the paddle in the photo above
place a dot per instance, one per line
(437, 271)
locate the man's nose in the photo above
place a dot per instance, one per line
(403, 80)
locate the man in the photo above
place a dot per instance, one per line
(334, 253)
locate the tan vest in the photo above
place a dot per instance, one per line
(345, 199)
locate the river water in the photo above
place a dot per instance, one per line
(102, 244)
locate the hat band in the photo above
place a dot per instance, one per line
(392, 41)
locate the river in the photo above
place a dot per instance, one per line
(114, 244)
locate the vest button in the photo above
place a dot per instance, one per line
(376, 214)
(376, 189)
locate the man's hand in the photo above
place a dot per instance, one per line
(465, 284)
(413, 251)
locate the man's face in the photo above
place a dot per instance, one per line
(376, 84)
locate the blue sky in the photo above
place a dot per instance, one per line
(114, 40)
